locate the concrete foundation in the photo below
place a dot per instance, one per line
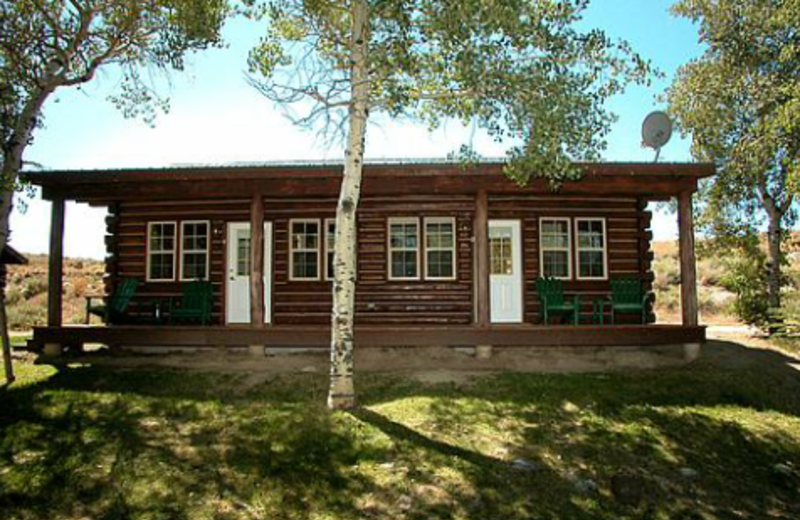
(413, 359)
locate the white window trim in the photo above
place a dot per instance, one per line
(325, 249)
(578, 249)
(569, 246)
(390, 250)
(174, 251)
(320, 237)
(207, 250)
(454, 249)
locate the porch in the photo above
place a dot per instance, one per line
(285, 336)
(465, 319)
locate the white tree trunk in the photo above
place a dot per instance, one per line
(342, 391)
(12, 164)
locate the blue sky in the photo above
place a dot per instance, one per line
(216, 117)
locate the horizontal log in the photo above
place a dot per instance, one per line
(381, 336)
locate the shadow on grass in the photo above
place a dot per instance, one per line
(110, 443)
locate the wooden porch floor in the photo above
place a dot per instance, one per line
(371, 336)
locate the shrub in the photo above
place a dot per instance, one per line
(34, 286)
(746, 277)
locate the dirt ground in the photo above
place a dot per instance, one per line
(733, 347)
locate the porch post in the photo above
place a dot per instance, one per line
(482, 259)
(257, 310)
(56, 264)
(688, 267)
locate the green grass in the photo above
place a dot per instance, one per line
(89, 442)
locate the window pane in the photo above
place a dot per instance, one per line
(555, 263)
(404, 264)
(243, 252)
(161, 266)
(330, 265)
(501, 252)
(304, 264)
(555, 234)
(195, 236)
(590, 234)
(439, 235)
(440, 264)
(194, 266)
(591, 264)
(331, 235)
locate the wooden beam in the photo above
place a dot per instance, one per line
(645, 186)
(482, 259)
(257, 310)
(519, 336)
(56, 264)
(688, 266)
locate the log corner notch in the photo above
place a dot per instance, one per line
(257, 307)
(689, 308)
(55, 264)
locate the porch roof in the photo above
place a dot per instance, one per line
(657, 180)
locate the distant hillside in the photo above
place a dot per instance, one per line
(26, 292)
(714, 300)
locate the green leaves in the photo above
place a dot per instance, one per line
(48, 44)
(519, 69)
(741, 100)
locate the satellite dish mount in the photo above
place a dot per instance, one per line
(656, 131)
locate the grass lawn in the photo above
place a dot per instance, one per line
(699, 442)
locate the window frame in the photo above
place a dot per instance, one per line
(325, 248)
(207, 251)
(453, 248)
(389, 249)
(578, 249)
(149, 252)
(292, 250)
(569, 248)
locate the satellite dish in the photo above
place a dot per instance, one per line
(656, 131)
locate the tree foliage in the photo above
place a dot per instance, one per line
(740, 101)
(49, 44)
(46, 45)
(518, 69)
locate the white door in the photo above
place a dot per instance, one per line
(238, 284)
(505, 271)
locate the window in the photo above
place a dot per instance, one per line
(330, 245)
(440, 248)
(554, 246)
(591, 248)
(243, 252)
(194, 250)
(501, 259)
(403, 249)
(304, 244)
(161, 251)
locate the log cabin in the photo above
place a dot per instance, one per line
(447, 255)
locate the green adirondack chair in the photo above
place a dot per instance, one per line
(195, 305)
(628, 297)
(552, 300)
(113, 311)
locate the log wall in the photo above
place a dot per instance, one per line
(379, 301)
(627, 227)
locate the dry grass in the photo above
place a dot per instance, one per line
(26, 293)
